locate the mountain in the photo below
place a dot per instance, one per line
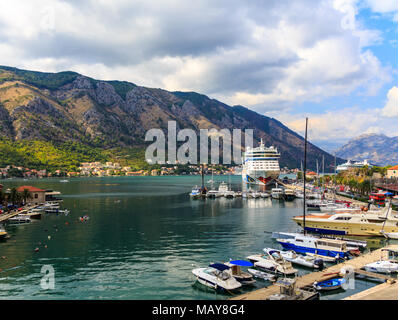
(376, 148)
(70, 110)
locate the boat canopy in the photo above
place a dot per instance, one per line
(241, 263)
(219, 266)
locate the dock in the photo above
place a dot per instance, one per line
(307, 280)
(5, 216)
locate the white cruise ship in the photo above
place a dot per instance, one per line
(260, 164)
(349, 165)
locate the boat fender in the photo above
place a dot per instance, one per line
(319, 263)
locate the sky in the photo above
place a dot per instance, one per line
(333, 61)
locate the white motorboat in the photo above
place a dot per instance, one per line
(19, 219)
(56, 210)
(277, 193)
(229, 194)
(265, 195)
(262, 275)
(390, 235)
(63, 181)
(212, 194)
(382, 266)
(321, 246)
(294, 258)
(387, 264)
(223, 187)
(272, 263)
(256, 194)
(216, 277)
(235, 270)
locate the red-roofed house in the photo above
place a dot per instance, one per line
(311, 175)
(38, 195)
(392, 172)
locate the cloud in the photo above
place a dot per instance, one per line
(332, 128)
(390, 110)
(267, 55)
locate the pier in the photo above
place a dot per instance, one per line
(5, 216)
(331, 272)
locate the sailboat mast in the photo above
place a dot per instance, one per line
(305, 169)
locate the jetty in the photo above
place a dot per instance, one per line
(5, 216)
(307, 280)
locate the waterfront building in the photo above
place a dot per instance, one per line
(392, 172)
(38, 195)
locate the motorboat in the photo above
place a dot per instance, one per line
(289, 195)
(352, 244)
(321, 246)
(265, 195)
(387, 264)
(229, 194)
(64, 181)
(195, 193)
(277, 193)
(19, 219)
(382, 266)
(56, 210)
(390, 235)
(215, 276)
(32, 214)
(331, 284)
(3, 232)
(256, 195)
(294, 258)
(223, 187)
(367, 223)
(244, 278)
(212, 194)
(262, 275)
(272, 262)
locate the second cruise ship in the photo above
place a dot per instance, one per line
(260, 164)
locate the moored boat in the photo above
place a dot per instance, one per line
(272, 262)
(320, 246)
(215, 276)
(3, 232)
(262, 275)
(243, 277)
(303, 260)
(331, 284)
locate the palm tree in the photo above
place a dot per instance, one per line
(26, 195)
(14, 196)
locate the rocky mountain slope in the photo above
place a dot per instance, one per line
(376, 148)
(68, 107)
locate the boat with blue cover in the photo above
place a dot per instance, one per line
(243, 277)
(331, 284)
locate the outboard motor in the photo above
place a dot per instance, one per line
(319, 263)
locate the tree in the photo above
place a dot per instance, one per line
(14, 196)
(26, 195)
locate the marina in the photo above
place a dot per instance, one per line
(154, 228)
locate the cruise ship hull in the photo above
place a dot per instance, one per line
(260, 177)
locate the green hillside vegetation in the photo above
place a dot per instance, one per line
(67, 156)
